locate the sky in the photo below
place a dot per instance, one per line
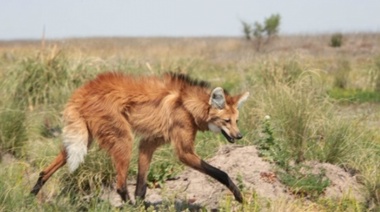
(57, 19)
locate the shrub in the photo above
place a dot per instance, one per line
(336, 40)
(247, 30)
(272, 25)
(258, 31)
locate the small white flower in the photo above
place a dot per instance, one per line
(267, 117)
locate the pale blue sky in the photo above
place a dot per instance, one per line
(26, 19)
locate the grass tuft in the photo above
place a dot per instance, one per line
(305, 121)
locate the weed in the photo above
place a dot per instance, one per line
(303, 182)
(270, 148)
(159, 174)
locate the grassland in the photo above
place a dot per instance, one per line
(324, 105)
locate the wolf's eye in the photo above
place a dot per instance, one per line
(237, 121)
(227, 120)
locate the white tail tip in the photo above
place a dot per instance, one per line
(76, 148)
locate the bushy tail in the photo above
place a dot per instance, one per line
(75, 139)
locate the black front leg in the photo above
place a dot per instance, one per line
(223, 178)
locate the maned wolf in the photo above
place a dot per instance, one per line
(171, 108)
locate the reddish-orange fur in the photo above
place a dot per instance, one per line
(171, 108)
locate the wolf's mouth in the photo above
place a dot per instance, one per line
(229, 138)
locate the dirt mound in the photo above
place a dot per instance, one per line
(243, 165)
(342, 183)
(193, 189)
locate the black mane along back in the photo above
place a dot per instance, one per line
(188, 80)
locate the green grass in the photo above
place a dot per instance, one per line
(304, 183)
(358, 96)
(13, 133)
(298, 92)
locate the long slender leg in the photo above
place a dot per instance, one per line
(184, 144)
(59, 161)
(146, 150)
(121, 154)
(75, 133)
(116, 138)
(223, 178)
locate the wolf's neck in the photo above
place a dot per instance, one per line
(196, 103)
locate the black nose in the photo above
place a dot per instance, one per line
(239, 136)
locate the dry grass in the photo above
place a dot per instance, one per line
(288, 80)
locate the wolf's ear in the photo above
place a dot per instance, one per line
(217, 98)
(242, 99)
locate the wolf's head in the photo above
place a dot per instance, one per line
(224, 113)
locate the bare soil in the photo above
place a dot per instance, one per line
(195, 190)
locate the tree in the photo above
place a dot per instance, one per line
(270, 28)
(272, 25)
(258, 31)
(247, 29)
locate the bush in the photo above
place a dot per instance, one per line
(272, 25)
(336, 40)
(258, 31)
(247, 30)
